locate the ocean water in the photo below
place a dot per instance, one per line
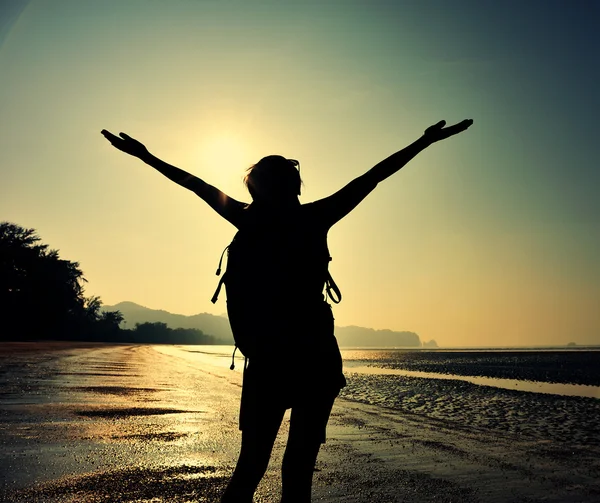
(542, 395)
(550, 395)
(548, 365)
(561, 372)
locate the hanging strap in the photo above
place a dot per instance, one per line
(333, 291)
(221, 260)
(232, 366)
(215, 296)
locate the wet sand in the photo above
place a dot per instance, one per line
(158, 424)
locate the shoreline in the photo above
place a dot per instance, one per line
(124, 423)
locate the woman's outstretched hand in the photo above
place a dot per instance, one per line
(438, 132)
(126, 143)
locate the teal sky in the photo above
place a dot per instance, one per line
(490, 238)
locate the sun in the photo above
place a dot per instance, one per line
(223, 159)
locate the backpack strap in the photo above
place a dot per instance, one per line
(332, 290)
(221, 259)
(232, 366)
(215, 296)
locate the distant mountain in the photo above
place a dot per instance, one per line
(368, 337)
(218, 327)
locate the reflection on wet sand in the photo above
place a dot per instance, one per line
(160, 425)
(77, 426)
(173, 484)
(132, 411)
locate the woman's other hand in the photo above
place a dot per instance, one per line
(126, 143)
(438, 132)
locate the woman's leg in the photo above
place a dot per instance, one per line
(257, 443)
(308, 423)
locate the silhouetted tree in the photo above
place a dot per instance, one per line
(111, 318)
(41, 295)
(92, 307)
(160, 333)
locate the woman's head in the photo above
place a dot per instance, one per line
(274, 178)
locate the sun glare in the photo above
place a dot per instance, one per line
(223, 159)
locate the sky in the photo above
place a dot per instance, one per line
(490, 238)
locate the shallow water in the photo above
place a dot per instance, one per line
(550, 366)
(558, 372)
(512, 384)
(404, 381)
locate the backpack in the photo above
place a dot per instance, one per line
(251, 282)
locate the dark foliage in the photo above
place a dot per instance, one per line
(42, 295)
(158, 333)
(42, 298)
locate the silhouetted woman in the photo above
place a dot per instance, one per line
(296, 362)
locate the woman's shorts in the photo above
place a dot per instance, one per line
(301, 370)
(264, 402)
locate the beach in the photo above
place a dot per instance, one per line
(140, 423)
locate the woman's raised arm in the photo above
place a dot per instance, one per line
(338, 205)
(227, 207)
(432, 134)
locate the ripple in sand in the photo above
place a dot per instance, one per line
(97, 374)
(167, 436)
(115, 390)
(176, 484)
(132, 411)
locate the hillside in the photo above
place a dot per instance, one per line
(218, 326)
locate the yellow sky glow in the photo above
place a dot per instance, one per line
(481, 240)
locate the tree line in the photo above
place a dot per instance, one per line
(42, 297)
